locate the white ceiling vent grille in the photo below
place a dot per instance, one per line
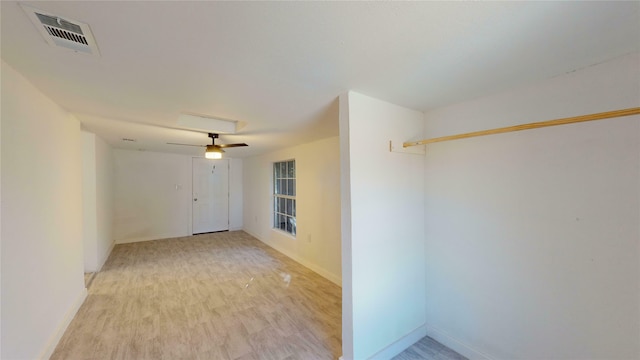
(63, 32)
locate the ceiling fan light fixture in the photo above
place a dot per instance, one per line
(213, 152)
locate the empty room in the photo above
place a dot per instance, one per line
(320, 180)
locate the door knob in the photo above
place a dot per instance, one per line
(195, 199)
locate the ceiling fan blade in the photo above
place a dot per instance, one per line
(186, 144)
(232, 145)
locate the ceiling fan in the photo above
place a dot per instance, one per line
(213, 151)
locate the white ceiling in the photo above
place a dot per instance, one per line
(278, 67)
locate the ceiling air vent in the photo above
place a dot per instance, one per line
(63, 32)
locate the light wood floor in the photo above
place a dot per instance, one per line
(429, 349)
(215, 296)
(88, 277)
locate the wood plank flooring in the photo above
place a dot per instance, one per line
(429, 349)
(214, 296)
(88, 277)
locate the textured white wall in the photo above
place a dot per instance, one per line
(386, 301)
(42, 259)
(532, 238)
(317, 244)
(153, 195)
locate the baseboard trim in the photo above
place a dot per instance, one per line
(318, 270)
(153, 238)
(401, 344)
(57, 335)
(453, 343)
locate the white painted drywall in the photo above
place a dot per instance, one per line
(532, 238)
(42, 259)
(387, 296)
(345, 228)
(0, 220)
(317, 244)
(153, 195)
(104, 201)
(89, 218)
(235, 195)
(97, 201)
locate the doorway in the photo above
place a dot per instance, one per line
(210, 199)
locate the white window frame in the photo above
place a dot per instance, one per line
(284, 199)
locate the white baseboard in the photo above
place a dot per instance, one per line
(160, 237)
(151, 238)
(401, 344)
(57, 335)
(454, 344)
(318, 270)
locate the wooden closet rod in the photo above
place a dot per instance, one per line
(535, 125)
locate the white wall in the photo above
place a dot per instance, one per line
(104, 200)
(532, 238)
(97, 201)
(89, 218)
(153, 195)
(42, 259)
(345, 228)
(1, 219)
(385, 307)
(236, 201)
(317, 244)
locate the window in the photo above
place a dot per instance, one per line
(284, 196)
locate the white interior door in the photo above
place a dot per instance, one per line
(210, 195)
